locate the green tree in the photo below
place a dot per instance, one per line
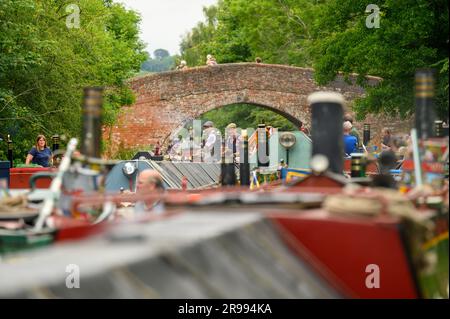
(44, 65)
(247, 116)
(240, 30)
(161, 62)
(197, 43)
(332, 37)
(412, 34)
(161, 54)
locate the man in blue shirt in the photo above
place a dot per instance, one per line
(350, 141)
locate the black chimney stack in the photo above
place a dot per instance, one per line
(228, 169)
(55, 140)
(10, 151)
(92, 122)
(327, 128)
(244, 165)
(425, 113)
(263, 146)
(366, 134)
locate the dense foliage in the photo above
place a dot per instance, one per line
(332, 36)
(44, 65)
(247, 116)
(160, 62)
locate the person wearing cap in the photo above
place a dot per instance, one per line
(350, 142)
(233, 139)
(209, 141)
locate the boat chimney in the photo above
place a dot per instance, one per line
(366, 134)
(263, 146)
(244, 165)
(228, 168)
(10, 151)
(425, 113)
(92, 122)
(55, 140)
(327, 130)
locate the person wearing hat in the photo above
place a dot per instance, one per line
(233, 139)
(209, 141)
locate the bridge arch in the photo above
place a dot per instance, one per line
(164, 100)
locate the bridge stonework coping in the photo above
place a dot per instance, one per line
(165, 101)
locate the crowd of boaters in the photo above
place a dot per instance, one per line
(181, 149)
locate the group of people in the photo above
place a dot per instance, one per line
(181, 148)
(210, 150)
(148, 181)
(352, 140)
(210, 61)
(389, 142)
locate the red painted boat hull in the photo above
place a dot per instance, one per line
(19, 178)
(345, 247)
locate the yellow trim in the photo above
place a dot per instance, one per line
(291, 175)
(425, 94)
(433, 242)
(425, 79)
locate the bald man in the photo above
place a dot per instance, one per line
(149, 182)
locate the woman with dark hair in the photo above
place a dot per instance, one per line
(386, 142)
(40, 154)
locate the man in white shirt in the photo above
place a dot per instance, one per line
(210, 143)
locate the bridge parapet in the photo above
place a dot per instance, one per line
(165, 100)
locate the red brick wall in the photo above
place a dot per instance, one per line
(165, 100)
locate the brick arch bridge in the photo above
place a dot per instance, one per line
(164, 101)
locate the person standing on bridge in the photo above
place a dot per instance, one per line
(210, 60)
(182, 66)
